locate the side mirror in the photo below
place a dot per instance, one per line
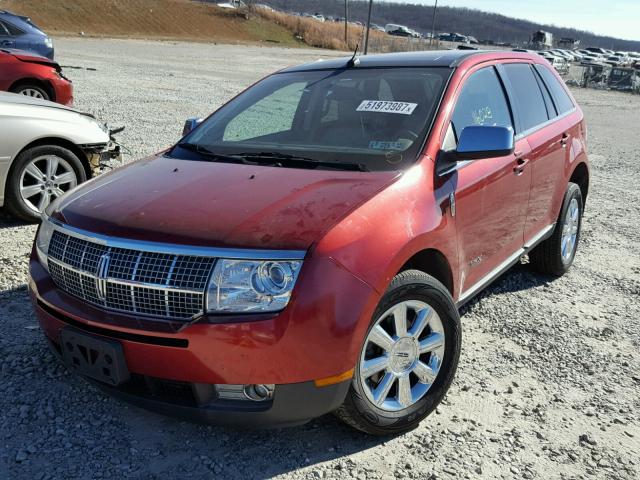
(477, 142)
(190, 124)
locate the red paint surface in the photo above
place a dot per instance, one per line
(19, 67)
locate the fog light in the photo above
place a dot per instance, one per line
(258, 393)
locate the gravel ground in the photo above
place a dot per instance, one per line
(549, 380)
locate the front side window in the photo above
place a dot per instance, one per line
(530, 105)
(481, 102)
(376, 118)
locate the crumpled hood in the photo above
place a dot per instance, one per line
(218, 204)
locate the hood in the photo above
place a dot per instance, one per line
(17, 99)
(218, 204)
(30, 57)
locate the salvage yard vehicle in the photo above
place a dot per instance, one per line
(46, 149)
(18, 31)
(305, 249)
(35, 76)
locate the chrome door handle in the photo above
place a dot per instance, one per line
(521, 163)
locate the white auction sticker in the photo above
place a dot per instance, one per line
(384, 106)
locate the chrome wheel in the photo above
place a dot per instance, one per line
(570, 230)
(402, 355)
(32, 92)
(44, 179)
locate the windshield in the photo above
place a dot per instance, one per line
(373, 118)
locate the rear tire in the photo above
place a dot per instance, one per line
(555, 255)
(433, 323)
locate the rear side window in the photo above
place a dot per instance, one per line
(481, 102)
(3, 30)
(560, 97)
(13, 30)
(529, 101)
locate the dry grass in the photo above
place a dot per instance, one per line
(165, 19)
(314, 33)
(331, 34)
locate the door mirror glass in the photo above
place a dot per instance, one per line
(477, 142)
(190, 124)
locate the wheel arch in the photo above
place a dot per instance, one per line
(44, 84)
(432, 262)
(59, 142)
(580, 176)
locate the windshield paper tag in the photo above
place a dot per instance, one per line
(403, 108)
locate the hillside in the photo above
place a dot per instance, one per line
(165, 19)
(481, 25)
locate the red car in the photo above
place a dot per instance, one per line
(31, 74)
(306, 248)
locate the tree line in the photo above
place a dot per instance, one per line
(481, 25)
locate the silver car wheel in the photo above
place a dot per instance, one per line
(45, 178)
(570, 230)
(402, 355)
(32, 92)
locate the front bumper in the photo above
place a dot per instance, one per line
(313, 339)
(290, 405)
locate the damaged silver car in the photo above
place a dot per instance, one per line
(47, 149)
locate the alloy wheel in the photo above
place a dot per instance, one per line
(570, 230)
(32, 92)
(44, 179)
(402, 355)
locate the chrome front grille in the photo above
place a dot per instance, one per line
(129, 280)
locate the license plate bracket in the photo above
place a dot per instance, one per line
(96, 357)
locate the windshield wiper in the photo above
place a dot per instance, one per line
(275, 158)
(205, 152)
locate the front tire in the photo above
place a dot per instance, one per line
(38, 176)
(33, 91)
(408, 359)
(555, 255)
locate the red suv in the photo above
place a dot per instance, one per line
(306, 248)
(31, 74)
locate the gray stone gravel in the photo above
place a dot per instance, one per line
(549, 381)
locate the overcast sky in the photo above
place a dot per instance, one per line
(618, 18)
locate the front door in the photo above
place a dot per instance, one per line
(491, 195)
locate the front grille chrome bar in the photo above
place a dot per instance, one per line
(164, 281)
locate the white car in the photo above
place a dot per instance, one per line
(46, 149)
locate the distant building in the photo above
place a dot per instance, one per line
(541, 40)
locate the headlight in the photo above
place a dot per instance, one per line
(251, 285)
(43, 237)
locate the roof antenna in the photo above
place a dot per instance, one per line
(353, 61)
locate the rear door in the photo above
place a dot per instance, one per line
(537, 122)
(491, 194)
(6, 39)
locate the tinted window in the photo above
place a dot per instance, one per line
(529, 101)
(562, 100)
(3, 30)
(481, 102)
(12, 29)
(551, 108)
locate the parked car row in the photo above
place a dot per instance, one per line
(46, 148)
